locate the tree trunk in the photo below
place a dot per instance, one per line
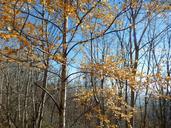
(62, 98)
(18, 96)
(126, 100)
(43, 98)
(25, 112)
(1, 87)
(63, 73)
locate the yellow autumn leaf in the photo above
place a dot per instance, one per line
(58, 58)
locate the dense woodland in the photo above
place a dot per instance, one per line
(85, 64)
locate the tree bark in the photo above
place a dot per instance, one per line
(42, 104)
(62, 111)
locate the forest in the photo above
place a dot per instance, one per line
(85, 64)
